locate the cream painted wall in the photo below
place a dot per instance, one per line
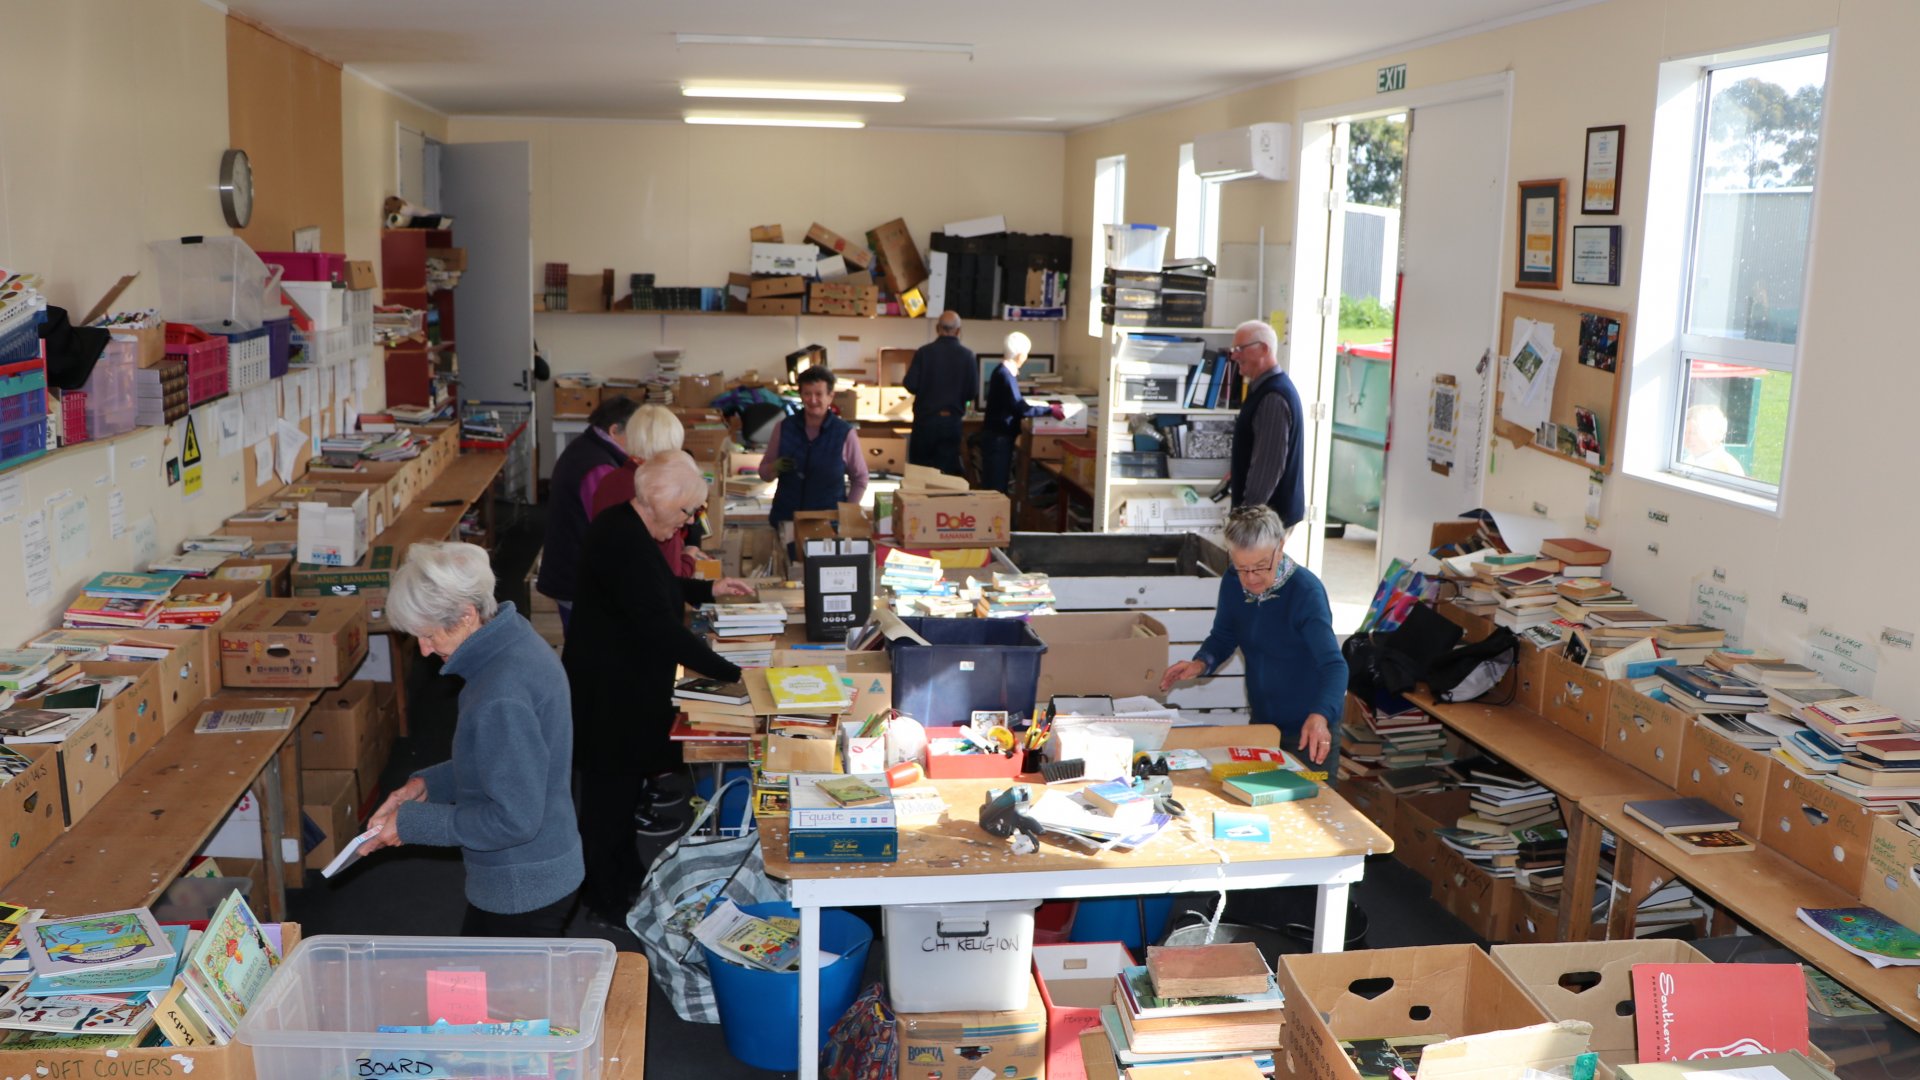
(1841, 537)
(678, 200)
(369, 122)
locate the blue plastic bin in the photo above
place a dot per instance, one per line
(1118, 919)
(760, 1010)
(967, 665)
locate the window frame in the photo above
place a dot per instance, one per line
(1110, 194)
(1689, 346)
(1196, 229)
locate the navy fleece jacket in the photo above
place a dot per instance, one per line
(1294, 666)
(504, 798)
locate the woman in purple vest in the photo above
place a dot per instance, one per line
(816, 456)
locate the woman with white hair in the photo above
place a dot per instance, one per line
(629, 637)
(503, 798)
(653, 431)
(1275, 613)
(1006, 408)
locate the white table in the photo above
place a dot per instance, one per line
(1322, 842)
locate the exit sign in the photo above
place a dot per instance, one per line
(1391, 79)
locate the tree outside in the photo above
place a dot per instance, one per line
(1376, 160)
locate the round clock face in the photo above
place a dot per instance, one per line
(236, 188)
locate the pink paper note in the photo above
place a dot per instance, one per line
(458, 997)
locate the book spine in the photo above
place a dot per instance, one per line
(179, 1024)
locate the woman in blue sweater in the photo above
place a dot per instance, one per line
(505, 797)
(1275, 612)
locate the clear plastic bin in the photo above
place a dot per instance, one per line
(957, 957)
(324, 348)
(360, 316)
(216, 283)
(320, 1014)
(111, 395)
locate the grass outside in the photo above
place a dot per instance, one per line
(1364, 335)
(1770, 426)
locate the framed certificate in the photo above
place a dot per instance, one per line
(1596, 254)
(1543, 212)
(1600, 182)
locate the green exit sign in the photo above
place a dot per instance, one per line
(1391, 79)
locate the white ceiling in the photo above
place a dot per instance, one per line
(1043, 66)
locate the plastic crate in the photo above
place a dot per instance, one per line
(23, 440)
(324, 348)
(249, 359)
(360, 316)
(320, 1013)
(324, 304)
(966, 665)
(206, 357)
(279, 346)
(1140, 464)
(23, 391)
(111, 395)
(73, 417)
(20, 333)
(307, 265)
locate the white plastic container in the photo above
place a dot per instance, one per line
(321, 1012)
(957, 957)
(324, 304)
(1137, 247)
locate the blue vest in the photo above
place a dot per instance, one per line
(819, 477)
(1289, 495)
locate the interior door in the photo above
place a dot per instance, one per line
(1454, 209)
(488, 188)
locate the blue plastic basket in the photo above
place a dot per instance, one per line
(21, 340)
(760, 1010)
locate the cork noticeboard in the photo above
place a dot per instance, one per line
(1593, 360)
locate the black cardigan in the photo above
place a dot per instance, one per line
(627, 633)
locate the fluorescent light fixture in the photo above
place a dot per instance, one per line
(961, 48)
(778, 93)
(775, 121)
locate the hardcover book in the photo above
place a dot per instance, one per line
(1684, 1012)
(1685, 815)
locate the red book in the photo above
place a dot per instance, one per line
(1691, 1012)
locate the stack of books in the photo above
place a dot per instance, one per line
(919, 587)
(762, 621)
(1216, 1004)
(120, 979)
(1695, 826)
(1386, 740)
(1506, 800)
(841, 818)
(21, 670)
(1016, 596)
(713, 711)
(194, 564)
(1703, 689)
(193, 609)
(124, 600)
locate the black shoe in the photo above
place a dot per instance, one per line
(648, 821)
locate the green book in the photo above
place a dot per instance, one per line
(1514, 559)
(1273, 786)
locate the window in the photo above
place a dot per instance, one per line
(1756, 143)
(1196, 223)
(1109, 208)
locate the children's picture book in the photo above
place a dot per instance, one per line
(138, 979)
(815, 687)
(748, 939)
(851, 791)
(1866, 933)
(1686, 1011)
(95, 942)
(232, 961)
(137, 586)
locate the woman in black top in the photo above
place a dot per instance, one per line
(1006, 408)
(628, 637)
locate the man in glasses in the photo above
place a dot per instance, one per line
(1268, 465)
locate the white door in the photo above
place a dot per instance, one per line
(488, 188)
(1454, 207)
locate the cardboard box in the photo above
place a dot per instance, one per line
(1368, 797)
(185, 678)
(900, 260)
(1471, 894)
(1530, 920)
(89, 761)
(778, 305)
(1075, 422)
(1893, 870)
(1591, 981)
(1078, 457)
(573, 397)
(1047, 447)
(1726, 774)
(784, 259)
(1117, 653)
(338, 727)
(1450, 990)
(1645, 733)
(449, 258)
(855, 254)
(696, 391)
(271, 573)
(843, 298)
(33, 811)
(360, 274)
(138, 720)
(586, 293)
(707, 441)
(782, 285)
(298, 642)
(1075, 981)
(1531, 677)
(378, 746)
(331, 798)
(885, 453)
(925, 519)
(947, 1046)
(1413, 823)
(1819, 828)
(873, 403)
(1576, 700)
(334, 528)
(767, 234)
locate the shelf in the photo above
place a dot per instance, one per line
(802, 315)
(1187, 330)
(1186, 412)
(1161, 481)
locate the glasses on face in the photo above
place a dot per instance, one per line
(1254, 571)
(1234, 351)
(693, 512)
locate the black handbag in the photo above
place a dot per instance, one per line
(1393, 661)
(1471, 671)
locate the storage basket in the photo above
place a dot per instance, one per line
(325, 305)
(360, 316)
(279, 346)
(73, 417)
(249, 359)
(206, 358)
(23, 411)
(324, 348)
(20, 332)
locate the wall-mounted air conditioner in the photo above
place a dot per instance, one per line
(1254, 152)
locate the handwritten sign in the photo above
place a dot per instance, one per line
(1896, 639)
(1844, 645)
(457, 997)
(36, 557)
(1793, 602)
(72, 544)
(1714, 604)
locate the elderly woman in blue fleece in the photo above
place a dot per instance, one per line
(505, 798)
(1275, 612)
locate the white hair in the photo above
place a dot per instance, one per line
(653, 429)
(669, 481)
(1254, 528)
(1018, 344)
(1263, 332)
(436, 585)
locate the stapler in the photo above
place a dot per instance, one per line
(1001, 814)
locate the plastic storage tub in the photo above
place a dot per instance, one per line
(360, 316)
(307, 265)
(23, 411)
(206, 357)
(966, 665)
(279, 346)
(249, 359)
(324, 348)
(958, 957)
(321, 1012)
(216, 282)
(760, 1010)
(323, 303)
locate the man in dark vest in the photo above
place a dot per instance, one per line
(589, 458)
(1268, 463)
(816, 456)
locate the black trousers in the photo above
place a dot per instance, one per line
(607, 802)
(935, 444)
(996, 461)
(546, 922)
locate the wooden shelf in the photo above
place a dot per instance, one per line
(802, 315)
(75, 448)
(1188, 330)
(1184, 412)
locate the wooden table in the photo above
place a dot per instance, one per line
(1762, 887)
(468, 479)
(1321, 841)
(623, 1045)
(1067, 483)
(1564, 764)
(137, 840)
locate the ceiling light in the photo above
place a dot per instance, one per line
(961, 48)
(775, 121)
(778, 93)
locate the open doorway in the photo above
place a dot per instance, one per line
(1367, 235)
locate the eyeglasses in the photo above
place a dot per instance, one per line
(1232, 351)
(1249, 571)
(693, 512)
